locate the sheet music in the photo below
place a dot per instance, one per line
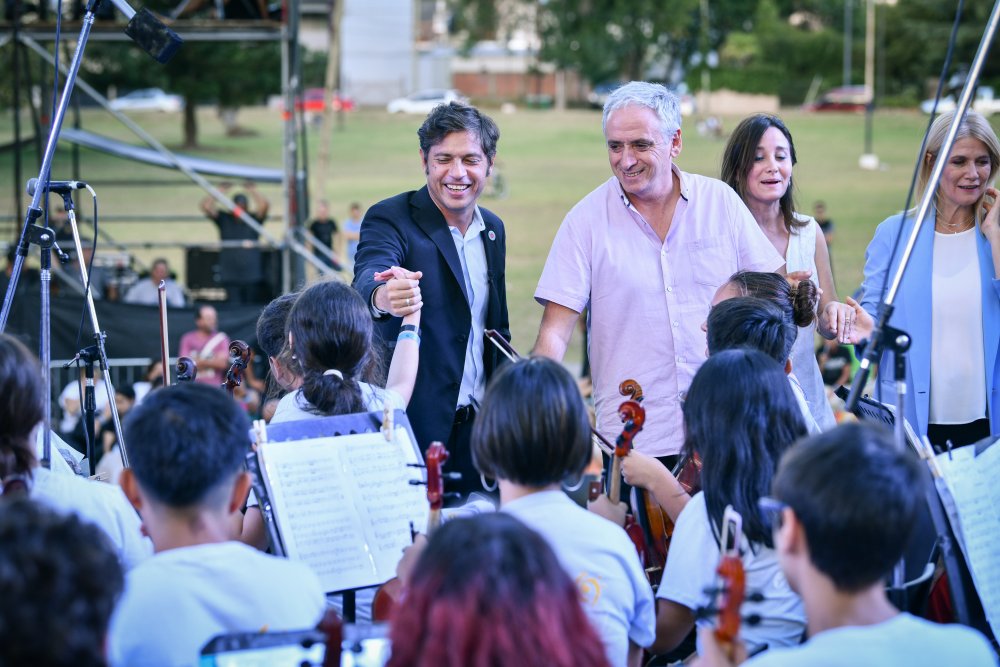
(343, 504)
(972, 481)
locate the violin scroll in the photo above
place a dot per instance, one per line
(240, 355)
(631, 389)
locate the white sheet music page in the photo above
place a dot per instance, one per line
(343, 504)
(972, 481)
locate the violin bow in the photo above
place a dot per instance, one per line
(507, 350)
(164, 338)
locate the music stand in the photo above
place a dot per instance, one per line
(964, 597)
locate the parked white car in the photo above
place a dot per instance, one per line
(148, 99)
(423, 101)
(985, 103)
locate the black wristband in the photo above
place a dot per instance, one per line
(410, 327)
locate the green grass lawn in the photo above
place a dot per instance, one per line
(550, 160)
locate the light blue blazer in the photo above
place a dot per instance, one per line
(913, 312)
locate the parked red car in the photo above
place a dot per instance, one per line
(312, 101)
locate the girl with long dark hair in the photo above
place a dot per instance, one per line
(739, 417)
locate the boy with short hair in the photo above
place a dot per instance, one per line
(845, 504)
(186, 447)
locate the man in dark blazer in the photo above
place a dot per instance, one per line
(453, 255)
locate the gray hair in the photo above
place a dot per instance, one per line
(650, 95)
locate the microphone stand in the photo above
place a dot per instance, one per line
(89, 355)
(161, 43)
(97, 352)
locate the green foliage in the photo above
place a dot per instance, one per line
(777, 58)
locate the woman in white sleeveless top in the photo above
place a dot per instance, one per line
(757, 164)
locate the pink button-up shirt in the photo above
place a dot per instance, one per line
(647, 298)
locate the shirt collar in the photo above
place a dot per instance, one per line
(477, 226)
(685, 190)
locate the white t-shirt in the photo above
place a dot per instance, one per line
(179, 599)
(903, 641)
(690, 569)
(602, 561)
(97, 502)
(294, 406)
(957, 369)
(800, 399)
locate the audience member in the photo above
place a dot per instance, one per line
(153, 379)
(242, 268)
(22, 400)
(71, 403)
(59, 580)
(324, 228)
(146, 292)
(207, 346)
(837, 537)
(187, 444)
(352, 230)
(488, 591)
(825, 224)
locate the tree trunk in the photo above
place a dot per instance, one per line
(190, 123)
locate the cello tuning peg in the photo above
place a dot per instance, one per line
(752, 619)
(415, 465)
(755, 596)
(451, 476)
(417, 482)
(453, 494)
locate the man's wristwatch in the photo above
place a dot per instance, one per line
(376, 311)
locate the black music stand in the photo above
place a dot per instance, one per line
(965, 599)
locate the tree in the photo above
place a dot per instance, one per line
(230, 74)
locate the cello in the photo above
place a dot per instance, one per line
(389, 594)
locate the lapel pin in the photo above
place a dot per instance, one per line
(492, 235)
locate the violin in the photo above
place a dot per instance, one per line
(240, 356)
(389, 594)
(731, 591)
(656, 525)
(633, 417)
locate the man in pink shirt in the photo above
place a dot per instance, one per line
(646, 252)
(208, 347)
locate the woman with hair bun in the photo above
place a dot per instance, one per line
(757, 163)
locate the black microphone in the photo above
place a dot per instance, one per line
(57, 187)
